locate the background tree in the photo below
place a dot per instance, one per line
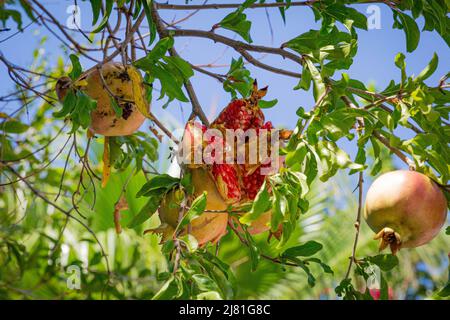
(55, 214)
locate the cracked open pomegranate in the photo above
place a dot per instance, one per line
(117, 78)
(405, 208)
(225, 183)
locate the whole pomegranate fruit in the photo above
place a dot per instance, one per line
(405, 208)
(104, 120)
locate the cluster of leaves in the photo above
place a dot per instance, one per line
(413, 105)
(237, 21)
(154, 189)
(96, 6)
(201, 275)
(366, 268)
(77, 106)
(172, 72)
(435, 16)
(239, 81)
(139, 146)
(7, 13)
(286, 200)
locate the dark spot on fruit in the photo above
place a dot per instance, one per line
(124, 76)
(127, 110)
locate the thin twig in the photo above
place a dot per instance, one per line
(357, 223)
(65, 212)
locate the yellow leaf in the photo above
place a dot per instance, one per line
(106, 163)
(138, 92)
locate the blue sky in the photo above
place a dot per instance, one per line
(374, 62)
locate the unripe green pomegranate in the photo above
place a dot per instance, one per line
(208, 227)
(405, 208)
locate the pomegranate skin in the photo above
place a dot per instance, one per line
(409, 203)
(104, 120)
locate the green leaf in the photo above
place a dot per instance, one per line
(162, 181)
(348, 16)
(117, 109)
(237, 21)
(210, 295)
(69, 103)
(76, 67)
(27, 8)
(169, 84)
(326, 268)
(400, 63)
(109, 6)
(190, 242)
(429, 69)
(305, 250)
(168, 291)
(260, 205)
(445, 292)
(13, 126)
(417, 8)
(280, 207)
(82, 112)
(198, 206)
(168, 247)
(95, 5)
(267, 104)
(410, 28)
(305, 80)
(238, 79)
(5, 14)
(386, 262)
(148, 13)
(181, 65)
(302, 264)
(158, 51)
(204, 283)
(384, 289)
(146, 212)
(319, 86)
(255, 255)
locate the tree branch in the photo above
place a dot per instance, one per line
(163, 32)
(383, 139)
(267, 67)
(234, 43)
